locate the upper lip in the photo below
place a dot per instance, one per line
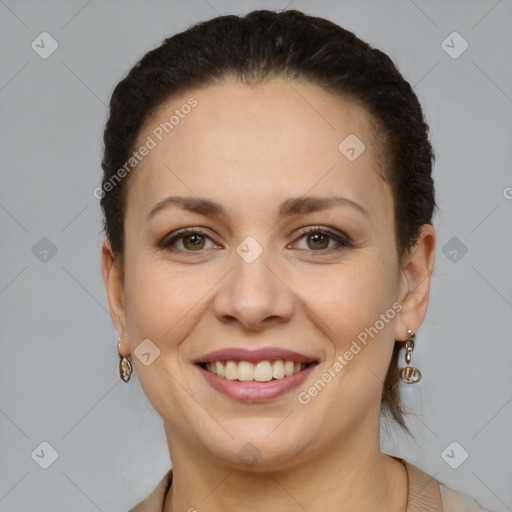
(254, 355)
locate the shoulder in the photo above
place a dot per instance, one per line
(457, 501)
(425, 493)
(155, 501)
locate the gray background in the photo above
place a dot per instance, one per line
(58, 364)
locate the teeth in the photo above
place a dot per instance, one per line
(231, 371)
(263, 371)
(218, 368)
(278, 370)
(260, 372)
(245, 370)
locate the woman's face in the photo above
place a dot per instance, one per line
(250, 168)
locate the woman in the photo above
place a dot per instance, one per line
(268, 204)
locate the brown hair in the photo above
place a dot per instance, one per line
(260, 46)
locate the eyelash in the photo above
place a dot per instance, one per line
(342, 239)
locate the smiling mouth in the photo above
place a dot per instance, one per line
(262, 371)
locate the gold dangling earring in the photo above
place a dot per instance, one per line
(409, 374)
(125, 367)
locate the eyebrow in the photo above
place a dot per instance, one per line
(292, 206)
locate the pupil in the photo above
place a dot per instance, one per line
(194, 240)
(318, 237)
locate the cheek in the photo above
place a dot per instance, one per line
(351, 294)
(347, 303)
(164, 305)
(162, 301)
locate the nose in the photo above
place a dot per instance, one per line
(253, 295)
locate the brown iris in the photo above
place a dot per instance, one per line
(196, 241)
(319, 238)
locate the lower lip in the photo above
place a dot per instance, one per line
(253, 391)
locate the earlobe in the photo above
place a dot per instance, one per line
(415, 283)
(114, 286)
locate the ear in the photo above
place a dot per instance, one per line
(415, 282)
(114, 286)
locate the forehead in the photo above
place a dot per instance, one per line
(274, 139)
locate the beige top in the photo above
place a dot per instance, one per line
(424, 494)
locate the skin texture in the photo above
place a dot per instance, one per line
(249, 148)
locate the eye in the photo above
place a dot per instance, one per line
(322, 239)
(317, 239)
(187, 240)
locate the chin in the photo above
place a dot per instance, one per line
(251, 450)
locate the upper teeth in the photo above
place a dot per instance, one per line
(261, 372)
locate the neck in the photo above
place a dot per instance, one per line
(352, 474)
